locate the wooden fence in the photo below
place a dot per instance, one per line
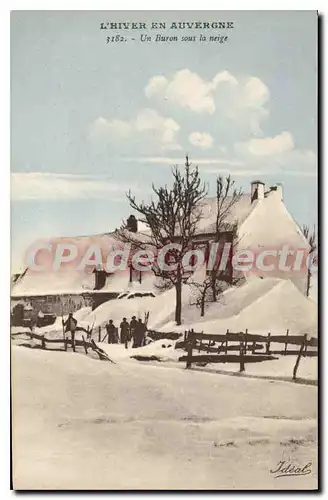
(87, 344)
(243, 348)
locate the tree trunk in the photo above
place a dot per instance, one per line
(213, 283)
(202, 306)
(178, 293)
(308, 282)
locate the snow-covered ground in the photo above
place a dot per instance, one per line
(165, 351)
(85, 424)
(260, 305)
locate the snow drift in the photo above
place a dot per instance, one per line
(83, 424)
(260, 305)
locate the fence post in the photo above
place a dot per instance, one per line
(99, 334)
(246, 332)
(226, 343)
(286, 344)
(73, 340)
(190, 348)
(306, 346)
(84, 345)
(299, 357)
(200, 344)
(268, 344)
(242, 344)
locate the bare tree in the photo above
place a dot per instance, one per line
(203, 291)
(227, 195)
(213, 285)
(312, 241)
(172, 217)
(202, 294)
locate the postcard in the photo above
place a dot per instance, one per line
(164, 215)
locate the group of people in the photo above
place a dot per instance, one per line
(135, 331)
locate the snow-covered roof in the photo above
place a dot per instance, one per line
(236, 215)
(260, 222)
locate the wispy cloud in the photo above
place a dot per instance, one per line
(51, 186)
(149, 128)
(165, 160)
(260, 172)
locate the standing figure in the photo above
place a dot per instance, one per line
(125, 328)
(133, 327)
(116, 336)
(111, 332)
(140, 333)
(70, 326)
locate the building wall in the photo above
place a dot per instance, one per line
(269, 227)
(56, 304)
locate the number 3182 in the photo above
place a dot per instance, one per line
(115, 38)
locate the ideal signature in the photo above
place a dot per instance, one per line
(287, 468)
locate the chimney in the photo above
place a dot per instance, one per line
(257, 190)
(132, 224)
(280, 191)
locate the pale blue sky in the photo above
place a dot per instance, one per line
(94, 110)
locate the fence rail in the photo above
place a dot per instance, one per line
(239, 347)
(246, 346)
(66, 342)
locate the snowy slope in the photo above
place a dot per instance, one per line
(260, 305)
(268, 305)
(282, 307)
(117, 309)
(83, 424)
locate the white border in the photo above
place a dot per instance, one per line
(5, 8)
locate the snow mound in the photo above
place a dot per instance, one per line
(260, 305)
(164, 350)
(117, 309)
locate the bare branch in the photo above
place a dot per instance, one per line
(172, 218)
